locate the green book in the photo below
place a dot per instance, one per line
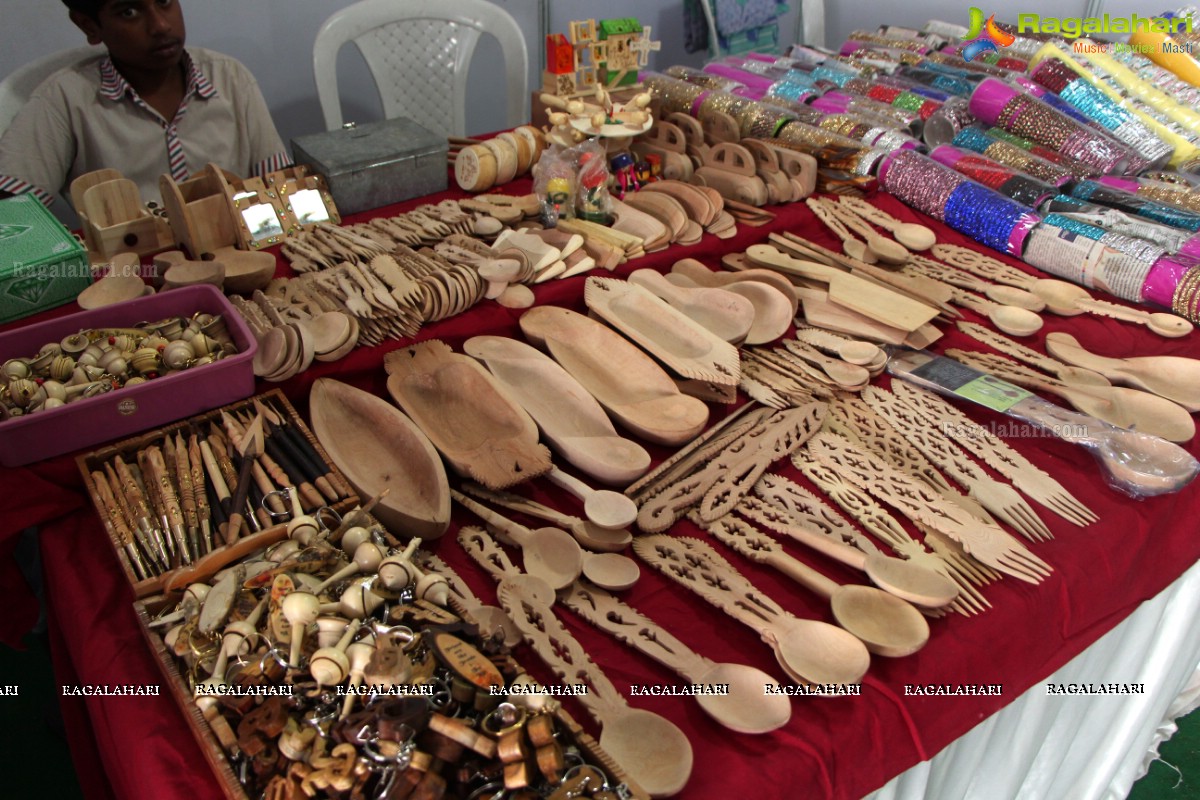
(41, 264)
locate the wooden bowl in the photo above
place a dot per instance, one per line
(107, 291)
(377, 447)
(194, 273)
(245, 270)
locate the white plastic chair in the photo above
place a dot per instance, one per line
(17, 88)
(419, 51)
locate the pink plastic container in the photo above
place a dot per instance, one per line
(123, 412)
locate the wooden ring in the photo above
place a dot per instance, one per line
(475, 168)
(506, 159)
(524, 153)
(535, 139)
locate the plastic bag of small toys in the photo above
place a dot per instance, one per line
(554, 178)
(593, 201)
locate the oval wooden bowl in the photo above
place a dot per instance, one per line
(570, 419)
(469, 418)
(635, 390)
(377, 447)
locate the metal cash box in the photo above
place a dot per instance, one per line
(376, 164)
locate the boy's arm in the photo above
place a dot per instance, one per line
(38, 148)
(267, 152)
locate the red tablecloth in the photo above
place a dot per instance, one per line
(833, 747)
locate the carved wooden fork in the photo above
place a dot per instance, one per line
(988, 543)
(998, 498)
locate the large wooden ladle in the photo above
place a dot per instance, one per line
(907, 581)
(652, 749)
(747, 708)
(1173, 377)
(887, 625)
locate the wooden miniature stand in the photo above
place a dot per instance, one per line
(199, 211)
(113, 217)
(217, 210)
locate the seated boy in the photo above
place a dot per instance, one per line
(146, 108)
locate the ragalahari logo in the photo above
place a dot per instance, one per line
(984, 36)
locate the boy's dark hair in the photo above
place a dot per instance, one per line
(89, 8)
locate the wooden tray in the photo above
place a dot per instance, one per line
(127, 447)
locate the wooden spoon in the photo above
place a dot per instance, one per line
(887, 625)
(910, 234)
(611, 571)
(859, 251)
(603, 507)
(1170, 326)
(808, 651)
(907, 581)
(1012, 296)
(772, 311)
(1015, 321)
(570, 419)
(914, 236)
(703, 276)
(653, 750)
(844, 374)
(1116, 405)
(587, 533)
(1060, 297)
(548, 553)
(1173, 377)
(747, 708)
(1141, 465)
(864, 354)
(1068, 300)
(728, 315)
(886, 250)
(330, 330)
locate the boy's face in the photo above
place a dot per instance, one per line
(144, 34)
